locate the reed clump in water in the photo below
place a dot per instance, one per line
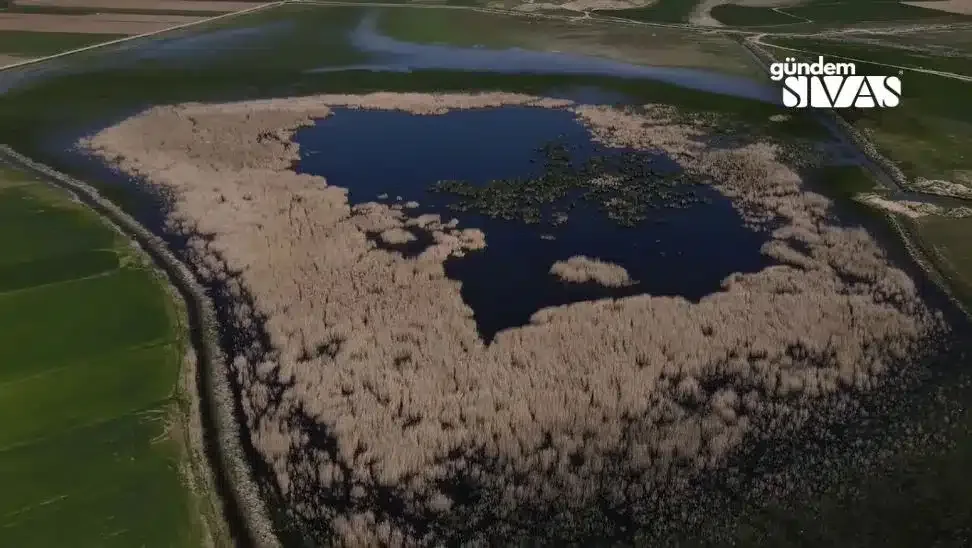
(384, 416)
(582, 269)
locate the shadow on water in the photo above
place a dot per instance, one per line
(685, 252)
(397, 56)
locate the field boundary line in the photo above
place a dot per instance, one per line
(5, 292)
(144, 35)
(216, 452)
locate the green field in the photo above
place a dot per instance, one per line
(928, 134)
(662, 11)
(749, 16)
(92, 452)
(822, 13)
(39, 44)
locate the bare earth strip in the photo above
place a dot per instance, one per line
(93, 24)
(160, 5)
(373, 382)
(962, 7)
(6, 59)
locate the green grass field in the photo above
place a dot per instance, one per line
(928, 134)
(822, 13)
(749, 16)
(662, 11)
(947, 241)
(39, 44)
(91, 453)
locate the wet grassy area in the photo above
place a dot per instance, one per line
(532, 180)
(39, 44)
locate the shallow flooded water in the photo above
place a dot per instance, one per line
(391, 55)
(394, 156)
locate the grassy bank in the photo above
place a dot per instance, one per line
(89, 388)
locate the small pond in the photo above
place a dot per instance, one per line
(392, 155)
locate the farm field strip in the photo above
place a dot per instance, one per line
(88, 383)
(141, 5)
(115, 23)
(142, 35)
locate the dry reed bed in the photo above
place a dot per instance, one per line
(582, 269)
(372, 392)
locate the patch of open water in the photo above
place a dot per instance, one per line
(686, 252)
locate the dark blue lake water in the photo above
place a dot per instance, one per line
(684, 252)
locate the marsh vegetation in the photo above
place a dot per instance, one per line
(384, 415)
(622, 185)
(418, 367)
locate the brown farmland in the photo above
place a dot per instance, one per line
(160, 5)
(373, 384)
(103, 23)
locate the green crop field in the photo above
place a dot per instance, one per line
(928, 135)
(822, 13)
(662, 11)
(39, 44)
(750, 16)
(91, 452)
